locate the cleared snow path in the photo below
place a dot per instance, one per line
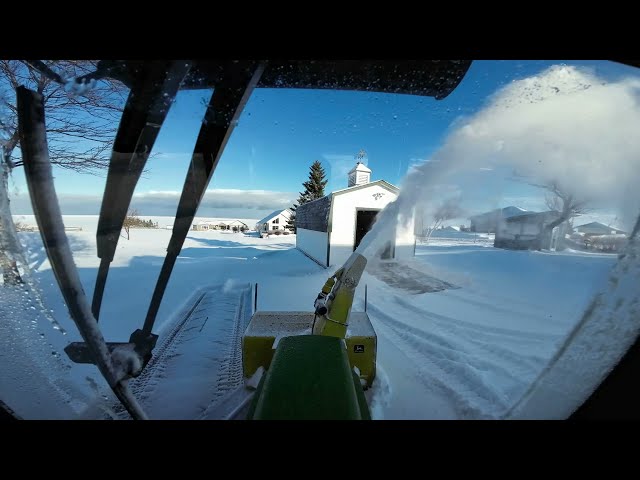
(199, 359)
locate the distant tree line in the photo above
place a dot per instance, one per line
(139, 223)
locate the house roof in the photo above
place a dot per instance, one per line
(286, 212)
(220, 222)
(360, 167)
(314, 215)
(382, 183)
(599, 225)
(549, 215)
(235, 222)
(505, 212)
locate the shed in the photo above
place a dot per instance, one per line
(331, 228)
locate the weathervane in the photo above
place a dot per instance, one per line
(361, 155)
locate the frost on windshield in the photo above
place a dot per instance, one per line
(34, 375)
(513, 297)
(607, 329)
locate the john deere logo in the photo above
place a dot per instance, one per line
(358, 349)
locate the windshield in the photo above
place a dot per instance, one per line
(495, 220)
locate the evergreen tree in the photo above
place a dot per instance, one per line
(314, 187)
(313, 190)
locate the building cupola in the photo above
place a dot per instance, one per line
(360, 174)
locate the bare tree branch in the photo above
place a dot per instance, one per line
(80, 129)
(557, 199)
(130, 220)
(449, 209)
(80, 132)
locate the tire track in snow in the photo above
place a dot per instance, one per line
(230, 375)
(529, 311)
(486, 331)
(143, 385)
(445, 348)
(495, 344)
(469, 367)
(215, 355)
(466, 403)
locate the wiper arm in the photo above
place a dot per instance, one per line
(145, 112)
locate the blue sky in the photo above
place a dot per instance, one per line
(281, 132)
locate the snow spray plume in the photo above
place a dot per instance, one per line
(565, 126)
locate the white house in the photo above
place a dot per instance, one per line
(205, 225)
(201, 226)
(597, 228)
(274, 221)
(235, 225)
(488, 222)
(527, 232)
(331, 228)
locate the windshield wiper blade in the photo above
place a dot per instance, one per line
(223, 111)
(38, 173)
(146, 110)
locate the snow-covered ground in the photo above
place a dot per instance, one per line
(469, 351)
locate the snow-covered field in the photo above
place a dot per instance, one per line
(469, 351)
(90, 222)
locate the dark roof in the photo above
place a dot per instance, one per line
(549, 215)
(505, 212)
(314, 215)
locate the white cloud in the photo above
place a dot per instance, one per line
(216, 202)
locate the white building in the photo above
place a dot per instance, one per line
(331, 228)
(206, 225)
(527, 232)
(201, 226)
(274, 221)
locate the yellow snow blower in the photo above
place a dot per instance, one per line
(316, 363)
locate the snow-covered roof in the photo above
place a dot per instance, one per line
(598, 226)
(236, 222)
(221, 222)
(382, 183)
(286, 213)
(360, 167)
